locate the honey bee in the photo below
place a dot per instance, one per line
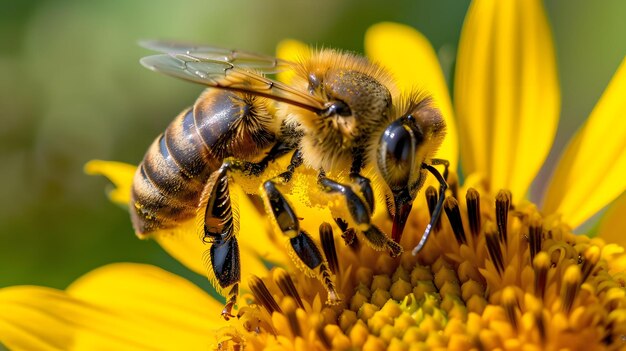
(340, 114)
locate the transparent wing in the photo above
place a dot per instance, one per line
(263, 63)
(226, 75)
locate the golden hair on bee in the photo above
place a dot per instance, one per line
(427, 116)
(357, 95)
(320, 62)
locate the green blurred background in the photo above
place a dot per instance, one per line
(71, 90)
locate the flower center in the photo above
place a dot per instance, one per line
(491, 276)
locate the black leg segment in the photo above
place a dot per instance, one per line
(225, 262)
(306, 249)
(365, 186)
(282, 211)
(360, 212)
(218, 216)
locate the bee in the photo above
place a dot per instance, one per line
(340, 114)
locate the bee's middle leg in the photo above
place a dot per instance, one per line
(361, 211)
(307, 255)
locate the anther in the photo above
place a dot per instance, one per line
(592, 256)
(571, 285)
(494, 249)
(509, 302)
(328, 246)
(451, 206)
(431, 200)
(503, 203)
(541, 264)
(262, 295)
(472, 199)
(286, 285)
(535, 231)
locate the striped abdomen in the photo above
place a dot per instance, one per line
(170, 179)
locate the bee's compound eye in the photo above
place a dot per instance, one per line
(396, 153)
(397, 143)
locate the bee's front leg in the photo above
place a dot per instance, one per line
(360, 213)
(347, 234)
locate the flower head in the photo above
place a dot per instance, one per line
(499, 272)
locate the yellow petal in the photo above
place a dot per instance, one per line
(291, 50)
(38, 318)
(184, 245)
(592, 170)
(255, 236)
(410, 58)
(506, 93)
(121, 174)
(613, 225)
(148, 293)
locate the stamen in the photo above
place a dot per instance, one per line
(536, 309)
(592, 256)
(472, 199)
(453, 184)
(286, 285)
(494, 249)
(503, 203)
(571, 285)
(262, 295)
(328, 246)
(290, 312)
(509, 302)
(541, 263)
(451, 206)
(321, 335)
(535, 232)
(431, 200)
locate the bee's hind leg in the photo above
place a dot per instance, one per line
(361, 211)
(219, 231)
(307, 255)
(220, 225)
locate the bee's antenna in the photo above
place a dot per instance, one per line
(437, 211)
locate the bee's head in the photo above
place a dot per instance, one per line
(406, 143)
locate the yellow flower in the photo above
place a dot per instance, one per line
(498, 273)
